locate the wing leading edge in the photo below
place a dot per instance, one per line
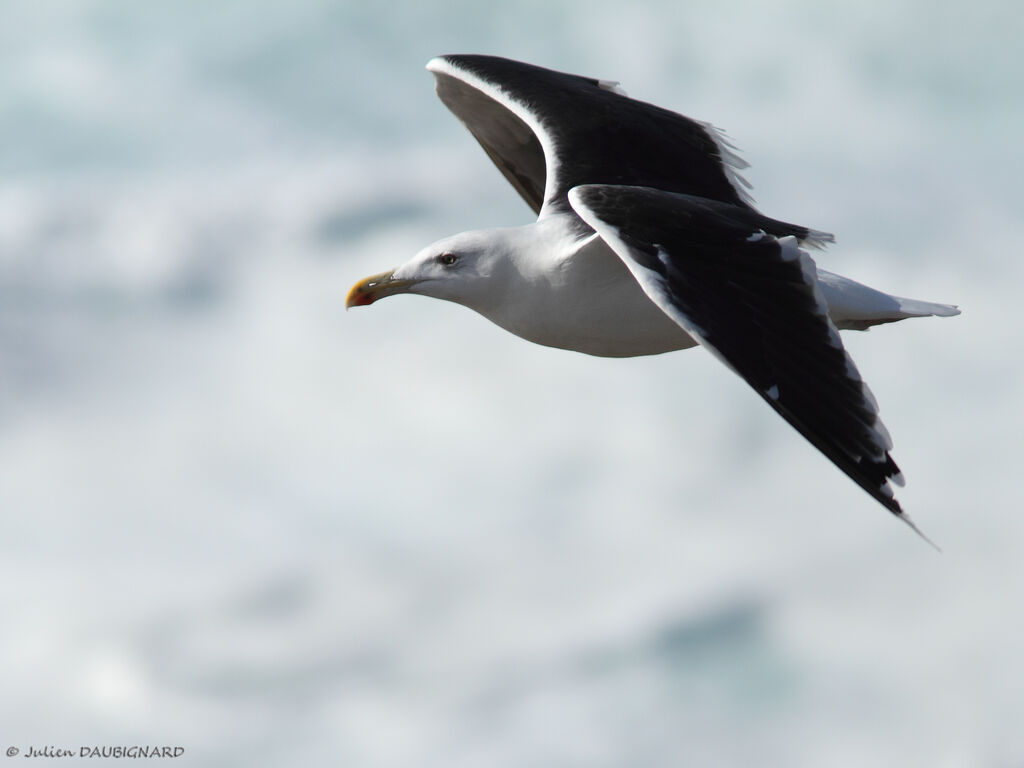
(549, 131)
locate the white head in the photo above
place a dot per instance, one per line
(474, 269)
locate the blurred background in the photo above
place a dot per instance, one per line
(236, 519)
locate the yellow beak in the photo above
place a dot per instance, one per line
(375, 287)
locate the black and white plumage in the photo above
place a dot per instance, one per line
(646, 242)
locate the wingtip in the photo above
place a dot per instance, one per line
(906, 519)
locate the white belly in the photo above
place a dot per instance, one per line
(593, 305)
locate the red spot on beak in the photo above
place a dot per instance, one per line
(372, 288)
(358, 298)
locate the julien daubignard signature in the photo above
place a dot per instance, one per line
(134, 751)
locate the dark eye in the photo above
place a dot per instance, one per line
(447, 259)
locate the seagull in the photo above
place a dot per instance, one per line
(646, 241)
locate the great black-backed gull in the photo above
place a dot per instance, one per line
(646, 241)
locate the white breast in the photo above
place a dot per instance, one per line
(586, 301)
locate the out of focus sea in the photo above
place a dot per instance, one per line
(236, 519)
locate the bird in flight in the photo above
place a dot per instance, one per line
(646, 241)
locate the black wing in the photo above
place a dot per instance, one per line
(550, 131)
(753, 300)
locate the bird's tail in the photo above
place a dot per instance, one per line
(918, 308)
(855, 306)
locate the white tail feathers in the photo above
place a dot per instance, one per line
(854, 306)
(916, 308)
